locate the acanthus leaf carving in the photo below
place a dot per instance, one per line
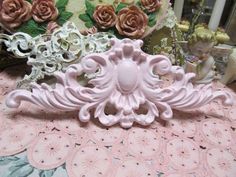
(125, 87)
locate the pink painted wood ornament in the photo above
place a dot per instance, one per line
(124, 87)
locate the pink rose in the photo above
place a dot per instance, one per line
(132, 22)
(44, 10)
(51, 27)
(105, 16)
(151, 5)
(14, 12)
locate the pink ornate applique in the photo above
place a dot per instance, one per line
(91, 149)
(125, 88)
(193, 144)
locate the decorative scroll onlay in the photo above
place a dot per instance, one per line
(49, 53)
(126, 88)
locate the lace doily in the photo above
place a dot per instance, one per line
(197, 143)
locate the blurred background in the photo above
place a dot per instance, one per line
(186, 9)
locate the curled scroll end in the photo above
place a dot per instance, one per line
(13, 100)
(227, 99)
(167, 114)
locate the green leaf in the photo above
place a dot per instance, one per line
(61, 10)
(152, 19)
(90, 8)
(112, 31)
(152, 23)
(22, 171)
(17, 164)
(32, 28)
(88, 21)
(46, 173)
(61, 4)
(30, 1)
(89, 24)
(84, 17)
(152, 16)
(64, 166)
(13, 158)
(138, 4)
(64, 17)
(117, 34)
(7, 160)
(120, 6)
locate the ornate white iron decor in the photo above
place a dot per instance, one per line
(49, 53)
(126, 88)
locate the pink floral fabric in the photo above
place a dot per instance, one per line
(196, 143)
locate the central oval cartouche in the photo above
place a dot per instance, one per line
(127, 73)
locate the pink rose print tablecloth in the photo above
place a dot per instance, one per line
(34, 142)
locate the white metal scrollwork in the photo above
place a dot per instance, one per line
(49, 53)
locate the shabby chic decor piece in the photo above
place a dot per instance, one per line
(230, 70)
(33, 17)
(125, 87)
(134, 19)
(199, 59)
(53, 52)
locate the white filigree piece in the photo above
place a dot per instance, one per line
(125, 87)
(169, 21)
(55, 52)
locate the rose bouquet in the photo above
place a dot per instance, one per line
(33, 17)
(125, 19)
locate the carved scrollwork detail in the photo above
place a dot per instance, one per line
(55, 52)
(126, 88)
(21, 44)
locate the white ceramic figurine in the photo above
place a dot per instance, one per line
(230, 71)
(199, 59)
